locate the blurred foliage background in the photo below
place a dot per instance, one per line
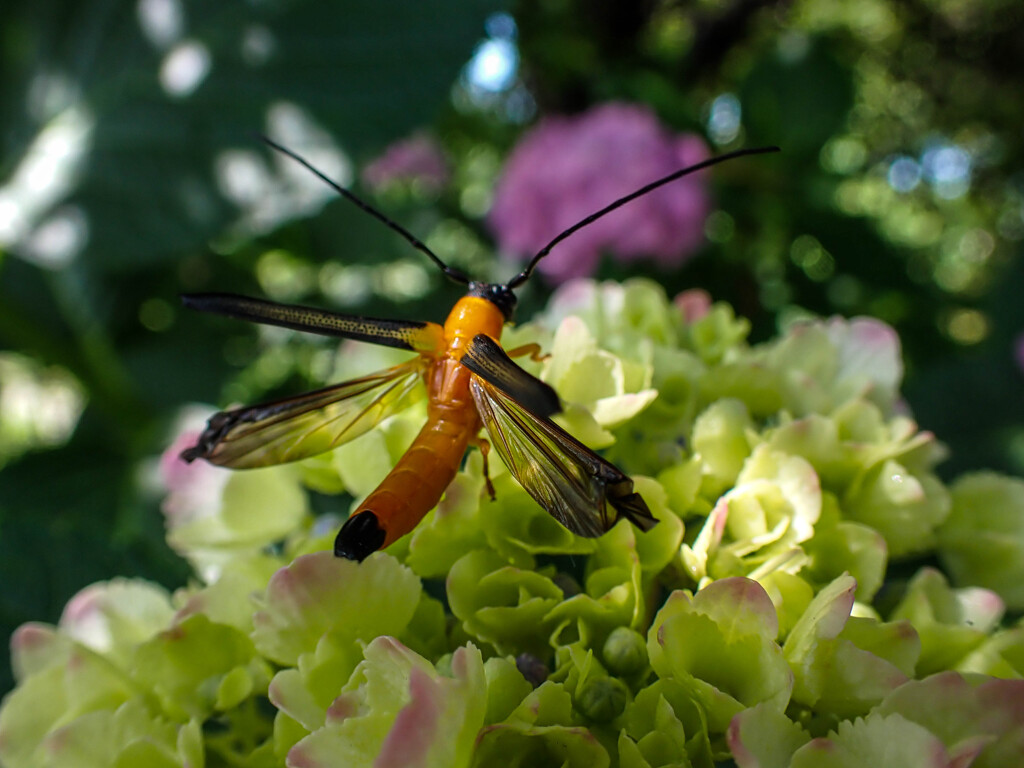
(130, 172)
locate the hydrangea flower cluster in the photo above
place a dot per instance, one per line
(559, 173)
(786, 477)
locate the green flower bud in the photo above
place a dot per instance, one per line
(625, 651)
(602, 698)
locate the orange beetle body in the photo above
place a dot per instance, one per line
(425, 470)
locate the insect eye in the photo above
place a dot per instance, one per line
(504, 299)
(359, 537)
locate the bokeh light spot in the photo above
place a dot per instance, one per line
(282, 276)
(46, 173)
(161, 21)
(475, 199)
(719, 227)
(953, 275)
(775, 294)
(948, 169)
(494, 66)
(967, 326)
(39, 406)
(977, 245)
(724, 119)
(904, 174)
(345, 284)
(242, 176)
(185, 68)
(501, 26)
(843, 155)
(60, 238)
(845, 291)
(809, 254)
(156, 315)
(258, 45)
(404, 280)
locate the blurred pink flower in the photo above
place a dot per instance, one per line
(194, 490)
(564, 169)
(418, 159)
(695, 303)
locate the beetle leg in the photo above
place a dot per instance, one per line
(485, 448)
(533, 350)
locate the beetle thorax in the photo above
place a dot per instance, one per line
(471, 315)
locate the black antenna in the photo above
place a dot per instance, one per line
(450, 272)
(523, 276)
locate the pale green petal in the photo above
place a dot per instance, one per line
(889, 741)
(321, 594)
(950, 622)
(982, 542)
(112, 617)
(763, 737)
(397, 711)
(538, 734)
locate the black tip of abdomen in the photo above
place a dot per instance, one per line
(359, 537)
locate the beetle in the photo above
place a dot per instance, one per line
(471, 382)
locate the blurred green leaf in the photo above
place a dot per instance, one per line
(796, 96)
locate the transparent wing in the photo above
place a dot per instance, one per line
(577, 487)
(306, 425)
